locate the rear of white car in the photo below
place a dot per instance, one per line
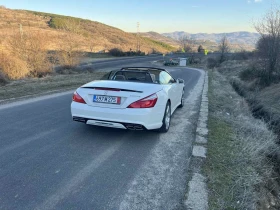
(127, 105)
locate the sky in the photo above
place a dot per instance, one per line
(193, 16)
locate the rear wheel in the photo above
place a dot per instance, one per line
(166, 119)
(182, 99)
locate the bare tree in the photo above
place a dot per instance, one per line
(30, 47)
(69, 55)
(268, 45)
(224, 48)
(91, 44)
(186, 43)
(200, 49)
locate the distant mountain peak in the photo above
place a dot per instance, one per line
(238, 37)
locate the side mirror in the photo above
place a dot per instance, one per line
(180, 80)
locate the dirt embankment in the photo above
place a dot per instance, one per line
(264, 101)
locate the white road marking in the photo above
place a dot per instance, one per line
(25, 141)
(31, 100)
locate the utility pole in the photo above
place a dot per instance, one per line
(138, 37)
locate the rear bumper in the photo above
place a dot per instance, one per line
(134, 119)
(121, 125)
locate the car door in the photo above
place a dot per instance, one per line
(179, 91)
(166, 79)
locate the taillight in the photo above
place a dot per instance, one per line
(77, 98)
(147, 102)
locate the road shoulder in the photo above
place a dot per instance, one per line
(197, 195)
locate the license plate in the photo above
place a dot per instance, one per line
(107, 99)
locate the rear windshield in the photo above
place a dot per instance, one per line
(135, 76)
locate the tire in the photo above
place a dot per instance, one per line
(182, 99)
(166, 119)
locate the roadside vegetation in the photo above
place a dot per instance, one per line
(240, 173)
(37, 86)
(244, 123)
(119, 53)
(38, 45)
(154, 43)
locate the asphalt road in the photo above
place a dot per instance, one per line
(125, 62)
(47, 161)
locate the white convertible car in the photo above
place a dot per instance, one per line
(134, 98)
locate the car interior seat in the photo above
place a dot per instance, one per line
(153, 78)
(119, 77)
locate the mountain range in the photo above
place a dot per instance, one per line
(236, 38)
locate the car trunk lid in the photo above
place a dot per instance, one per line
(116, 94)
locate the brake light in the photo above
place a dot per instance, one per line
(77, 98)
(147, 102)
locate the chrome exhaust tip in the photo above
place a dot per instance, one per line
(134, 127)
(80, 119)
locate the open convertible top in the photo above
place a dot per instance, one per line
(137, 74)
(142, 69)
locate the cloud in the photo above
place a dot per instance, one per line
(254, 1)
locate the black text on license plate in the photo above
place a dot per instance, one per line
(107, 99)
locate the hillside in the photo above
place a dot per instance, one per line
(159, 37)
(242, 39)
(90, 35)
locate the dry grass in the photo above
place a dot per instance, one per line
(69, 54)
(27, 37)
(12, 67)
(28, 49)
(33, 86)
(237, 165)
(92, 36)
(264, 101)
(270, 96)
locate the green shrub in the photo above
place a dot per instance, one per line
(66, 23)
(212, 63)
(238, 87)
(249, 74)
(160, 44)
(3, 79)
(243, 55)
(56, 23)
(258, 76)
(116, 52)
